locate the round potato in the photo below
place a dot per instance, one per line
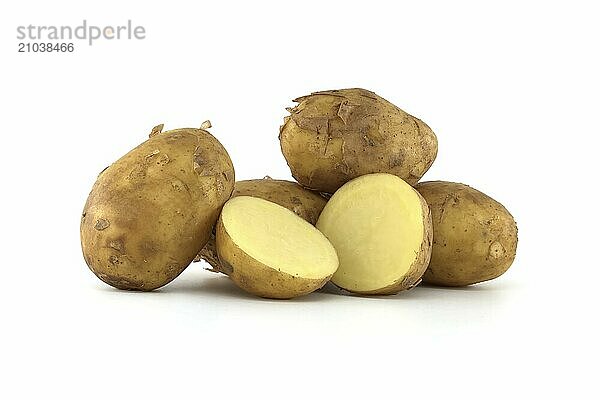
(474, 236)
(380, 228)
(334, 136)
(306, 204)
(269, 251)
(150, 212)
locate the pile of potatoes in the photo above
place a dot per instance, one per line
(357, 216)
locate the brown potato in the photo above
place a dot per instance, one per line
(150, 212)
(474, 236)
(306, 204)
(334, 136)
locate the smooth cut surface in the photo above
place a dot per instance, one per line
(278, 238)
(375, 223)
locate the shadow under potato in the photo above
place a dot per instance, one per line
(222, 286)
(331, 289)
(478, 287)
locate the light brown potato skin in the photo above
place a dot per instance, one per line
(255, 277)
(306, 204)
(334, 136)
(150, 212)
(474, 236)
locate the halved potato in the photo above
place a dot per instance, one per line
(381, 230)
(305, 203)
(271, 252)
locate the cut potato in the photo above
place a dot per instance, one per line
(381, 230)
(269, 251)
(303, 202)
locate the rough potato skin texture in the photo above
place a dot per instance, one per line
(334, 136)
(414, 275)
(256, 278)
(306, 204)
(150, 212)
(474, 236)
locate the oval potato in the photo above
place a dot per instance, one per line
(334, 136)
(474, 236)
(150, 212)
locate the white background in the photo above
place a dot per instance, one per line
(512, 92)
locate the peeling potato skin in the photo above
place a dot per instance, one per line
(256, 278)
(306, 204)
(332, 137)
(149, 212)
(474, 236)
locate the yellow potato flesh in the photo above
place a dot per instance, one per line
(278, 238)
(376, 225)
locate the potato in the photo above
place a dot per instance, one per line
(150, 212)
(381, 230)
(474, 236)
(269, 251)
(306, 204)
(334, 136)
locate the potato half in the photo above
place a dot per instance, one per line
(334, 136)
(474, 236)
(381, 230)
(269, 251)
(305, 203)
(150, 212)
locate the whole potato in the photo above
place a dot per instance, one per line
(150, 212)
(474, 236)
(306, 204)
(334, 136)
